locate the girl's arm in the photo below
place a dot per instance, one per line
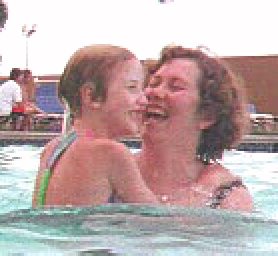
(124, 175)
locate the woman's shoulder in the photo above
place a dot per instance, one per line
(229, 189)
(219, 174)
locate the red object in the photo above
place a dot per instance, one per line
(18, 109)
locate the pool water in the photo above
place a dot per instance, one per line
(137, 229)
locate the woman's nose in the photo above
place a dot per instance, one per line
(158, 92)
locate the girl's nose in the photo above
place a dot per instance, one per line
(141, 101)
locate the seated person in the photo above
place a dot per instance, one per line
(11, 94)
(22, 115)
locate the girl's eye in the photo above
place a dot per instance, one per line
(133, 87)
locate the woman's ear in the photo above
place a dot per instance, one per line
(206, 120)
(204, 124)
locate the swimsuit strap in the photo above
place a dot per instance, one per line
(64, 142)
(222, 192)
(113, 198)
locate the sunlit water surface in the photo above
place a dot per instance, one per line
(137, 229)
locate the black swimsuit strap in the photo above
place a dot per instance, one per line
(222, 192)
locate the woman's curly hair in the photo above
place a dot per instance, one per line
(222, 99)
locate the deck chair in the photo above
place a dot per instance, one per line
(47, 100)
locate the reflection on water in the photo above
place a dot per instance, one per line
(144, 230)
(18, 166)
(137, 229)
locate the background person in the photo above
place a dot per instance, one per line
(28, 88)
(194, 110)
(22, 115)
(100, 84)
(11, 95)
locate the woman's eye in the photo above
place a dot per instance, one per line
(177, 85)
(153, 84)
(132, 87)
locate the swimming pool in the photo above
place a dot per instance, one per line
(137, 229)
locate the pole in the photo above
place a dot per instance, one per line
(27, 33)
(27, 53)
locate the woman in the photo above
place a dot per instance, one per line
(100, 84)
(11, 98)
(194, 111)
(29, 86)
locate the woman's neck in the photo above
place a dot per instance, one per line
(176, 162)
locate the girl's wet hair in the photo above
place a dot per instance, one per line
(222, 99)
(91, 65)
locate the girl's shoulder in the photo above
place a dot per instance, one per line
(100, 144)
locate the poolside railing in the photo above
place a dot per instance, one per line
(264, 124)
(53, 122)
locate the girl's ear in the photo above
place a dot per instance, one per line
(86, 93)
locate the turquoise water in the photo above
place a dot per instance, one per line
(137, 229)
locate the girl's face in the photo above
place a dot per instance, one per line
(125, 87)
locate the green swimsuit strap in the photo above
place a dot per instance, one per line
(64, 142)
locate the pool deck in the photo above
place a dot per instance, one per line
(252, 142)
(26, 137)
(260, 143)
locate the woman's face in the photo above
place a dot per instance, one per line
(172, 99)
(125, 87)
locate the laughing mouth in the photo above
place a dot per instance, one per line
(157, 114)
